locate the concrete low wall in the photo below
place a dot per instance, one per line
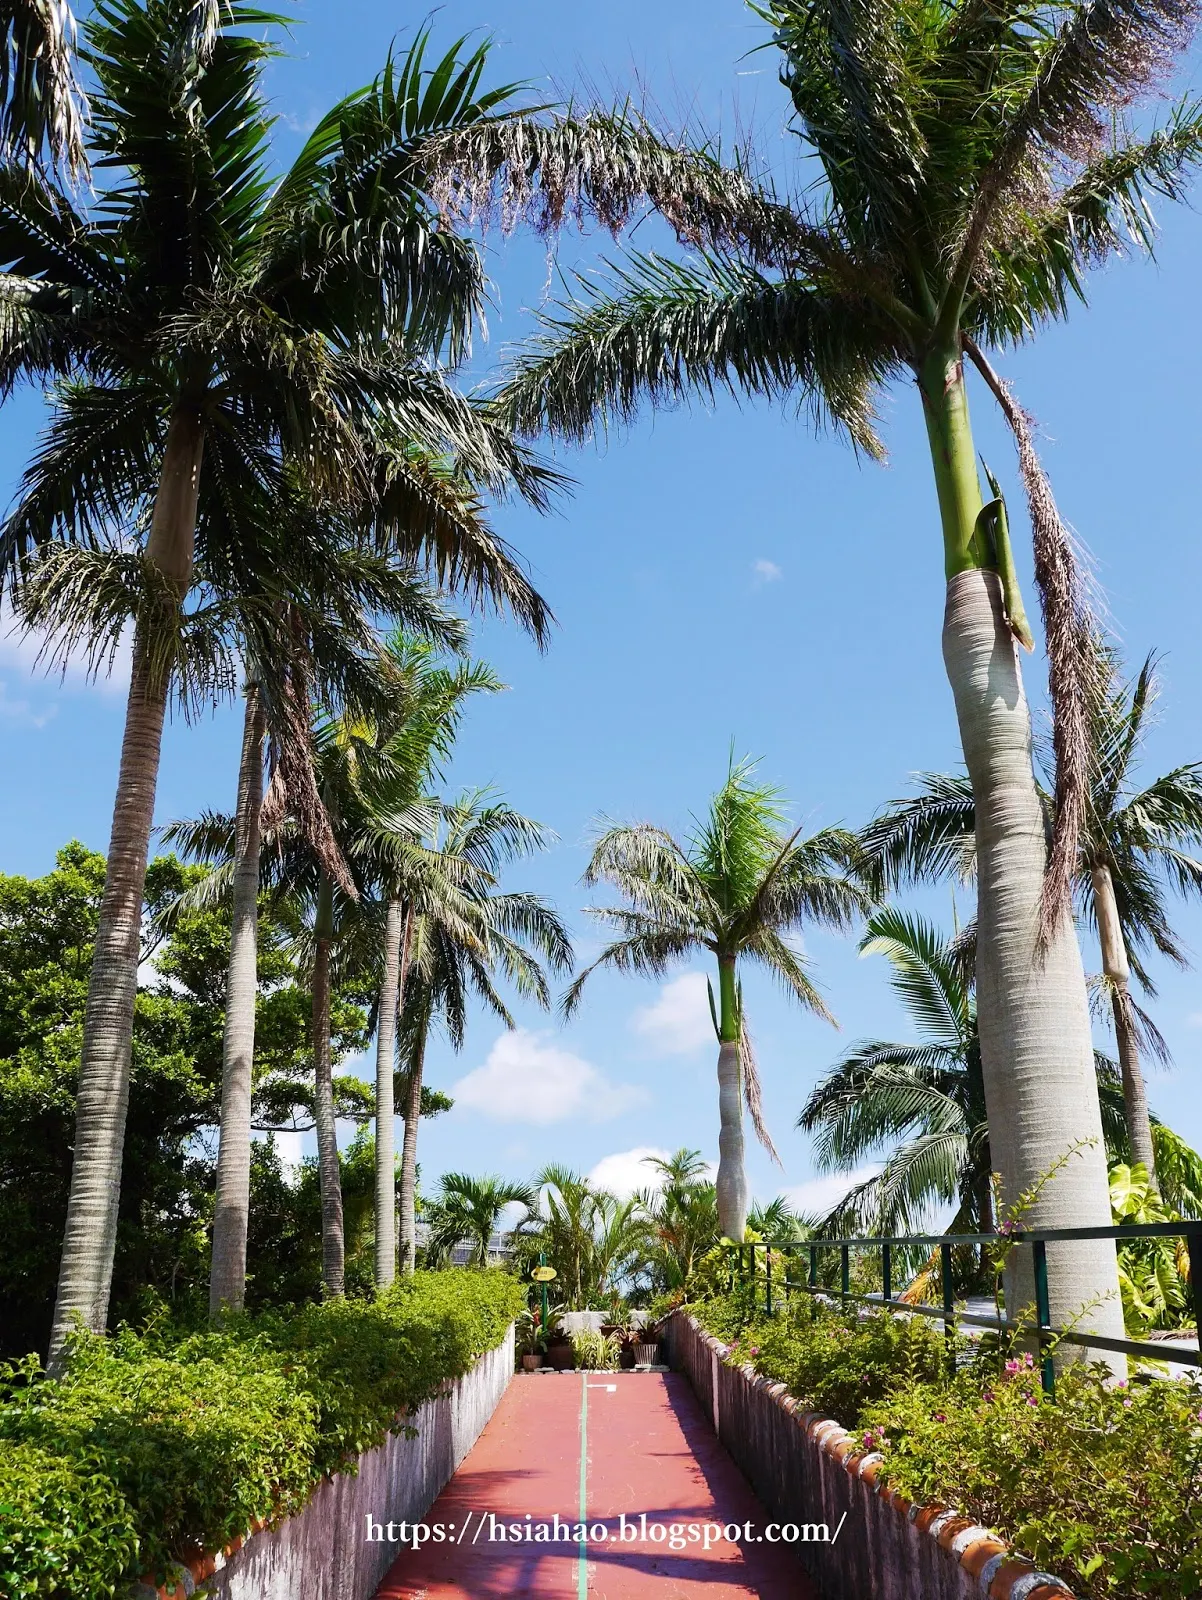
(807, 1469)
(322, 1552)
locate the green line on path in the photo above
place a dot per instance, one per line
(582, 1559)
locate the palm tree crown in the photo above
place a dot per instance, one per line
(920, 1104)
(467, 1210)
(738, 888)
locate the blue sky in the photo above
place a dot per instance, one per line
(718, 574)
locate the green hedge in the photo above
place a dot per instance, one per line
(1099, 1485)
(154, 1444)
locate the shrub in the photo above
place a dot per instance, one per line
(199, 1438)
(833, 1363)
(1098, 1485)
(64, 1528)
(188, 1438)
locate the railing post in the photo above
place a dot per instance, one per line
(1193, 1250)
(786, 1255)
(845, 1262)
(1043, 1314)
(887, 1271)
(949, 1305)
(813, 1281)
(768, 1278)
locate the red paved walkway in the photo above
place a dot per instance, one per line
(648, 1449)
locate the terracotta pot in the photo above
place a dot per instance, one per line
(562, 1357)
(532, 1361)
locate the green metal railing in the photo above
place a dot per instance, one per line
(743, 1265)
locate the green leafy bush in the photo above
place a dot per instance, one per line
(1098, 1485)
(64, 1527)
(835, 1364)
(193, 1436)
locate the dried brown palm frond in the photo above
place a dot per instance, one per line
(753, 1092)
(1071, 634)
(292, 791)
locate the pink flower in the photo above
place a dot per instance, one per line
(938, 1416)
(1031, 1400)
(1127, 1404)
(1013, 1366)
(988, 1396)
(1028, 1359)
(755, 1349)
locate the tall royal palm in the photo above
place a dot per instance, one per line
(467, 933)
(738, 888)
(969, 164)
(223, 330)
(1134, 846)
(410, 880)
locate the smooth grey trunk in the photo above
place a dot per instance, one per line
(731, 1181)
(1036, 1050)
(231, 1215)
(392, 987)
(102, 1097)
(413, 1105)
(1118, 971)
(333, 1245)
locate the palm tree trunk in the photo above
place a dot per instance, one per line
(333, 1244)
(731, 1182)
(392, 986)
(1036, 1050)
(1118, 970)
(413, 1102)
(231, 1215)
(102, 1100)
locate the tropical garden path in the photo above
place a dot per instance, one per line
(596, 1447)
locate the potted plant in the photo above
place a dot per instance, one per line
(595, 1351)
(647, 1345)
(531, 1340)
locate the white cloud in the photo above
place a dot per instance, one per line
(528, 1078)
(818, 1195)
(764, 571)
(678, 1022)
(627, 1170)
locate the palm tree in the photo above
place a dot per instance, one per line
(221, 331)
(460, 944)
(969, 164)
(737, 888)
(469, 1209)
(777, 1220)
(921, 1104)
(422, 737)
(596, 1242)
(1134, 846)
(684, 1220)
(326, 642)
